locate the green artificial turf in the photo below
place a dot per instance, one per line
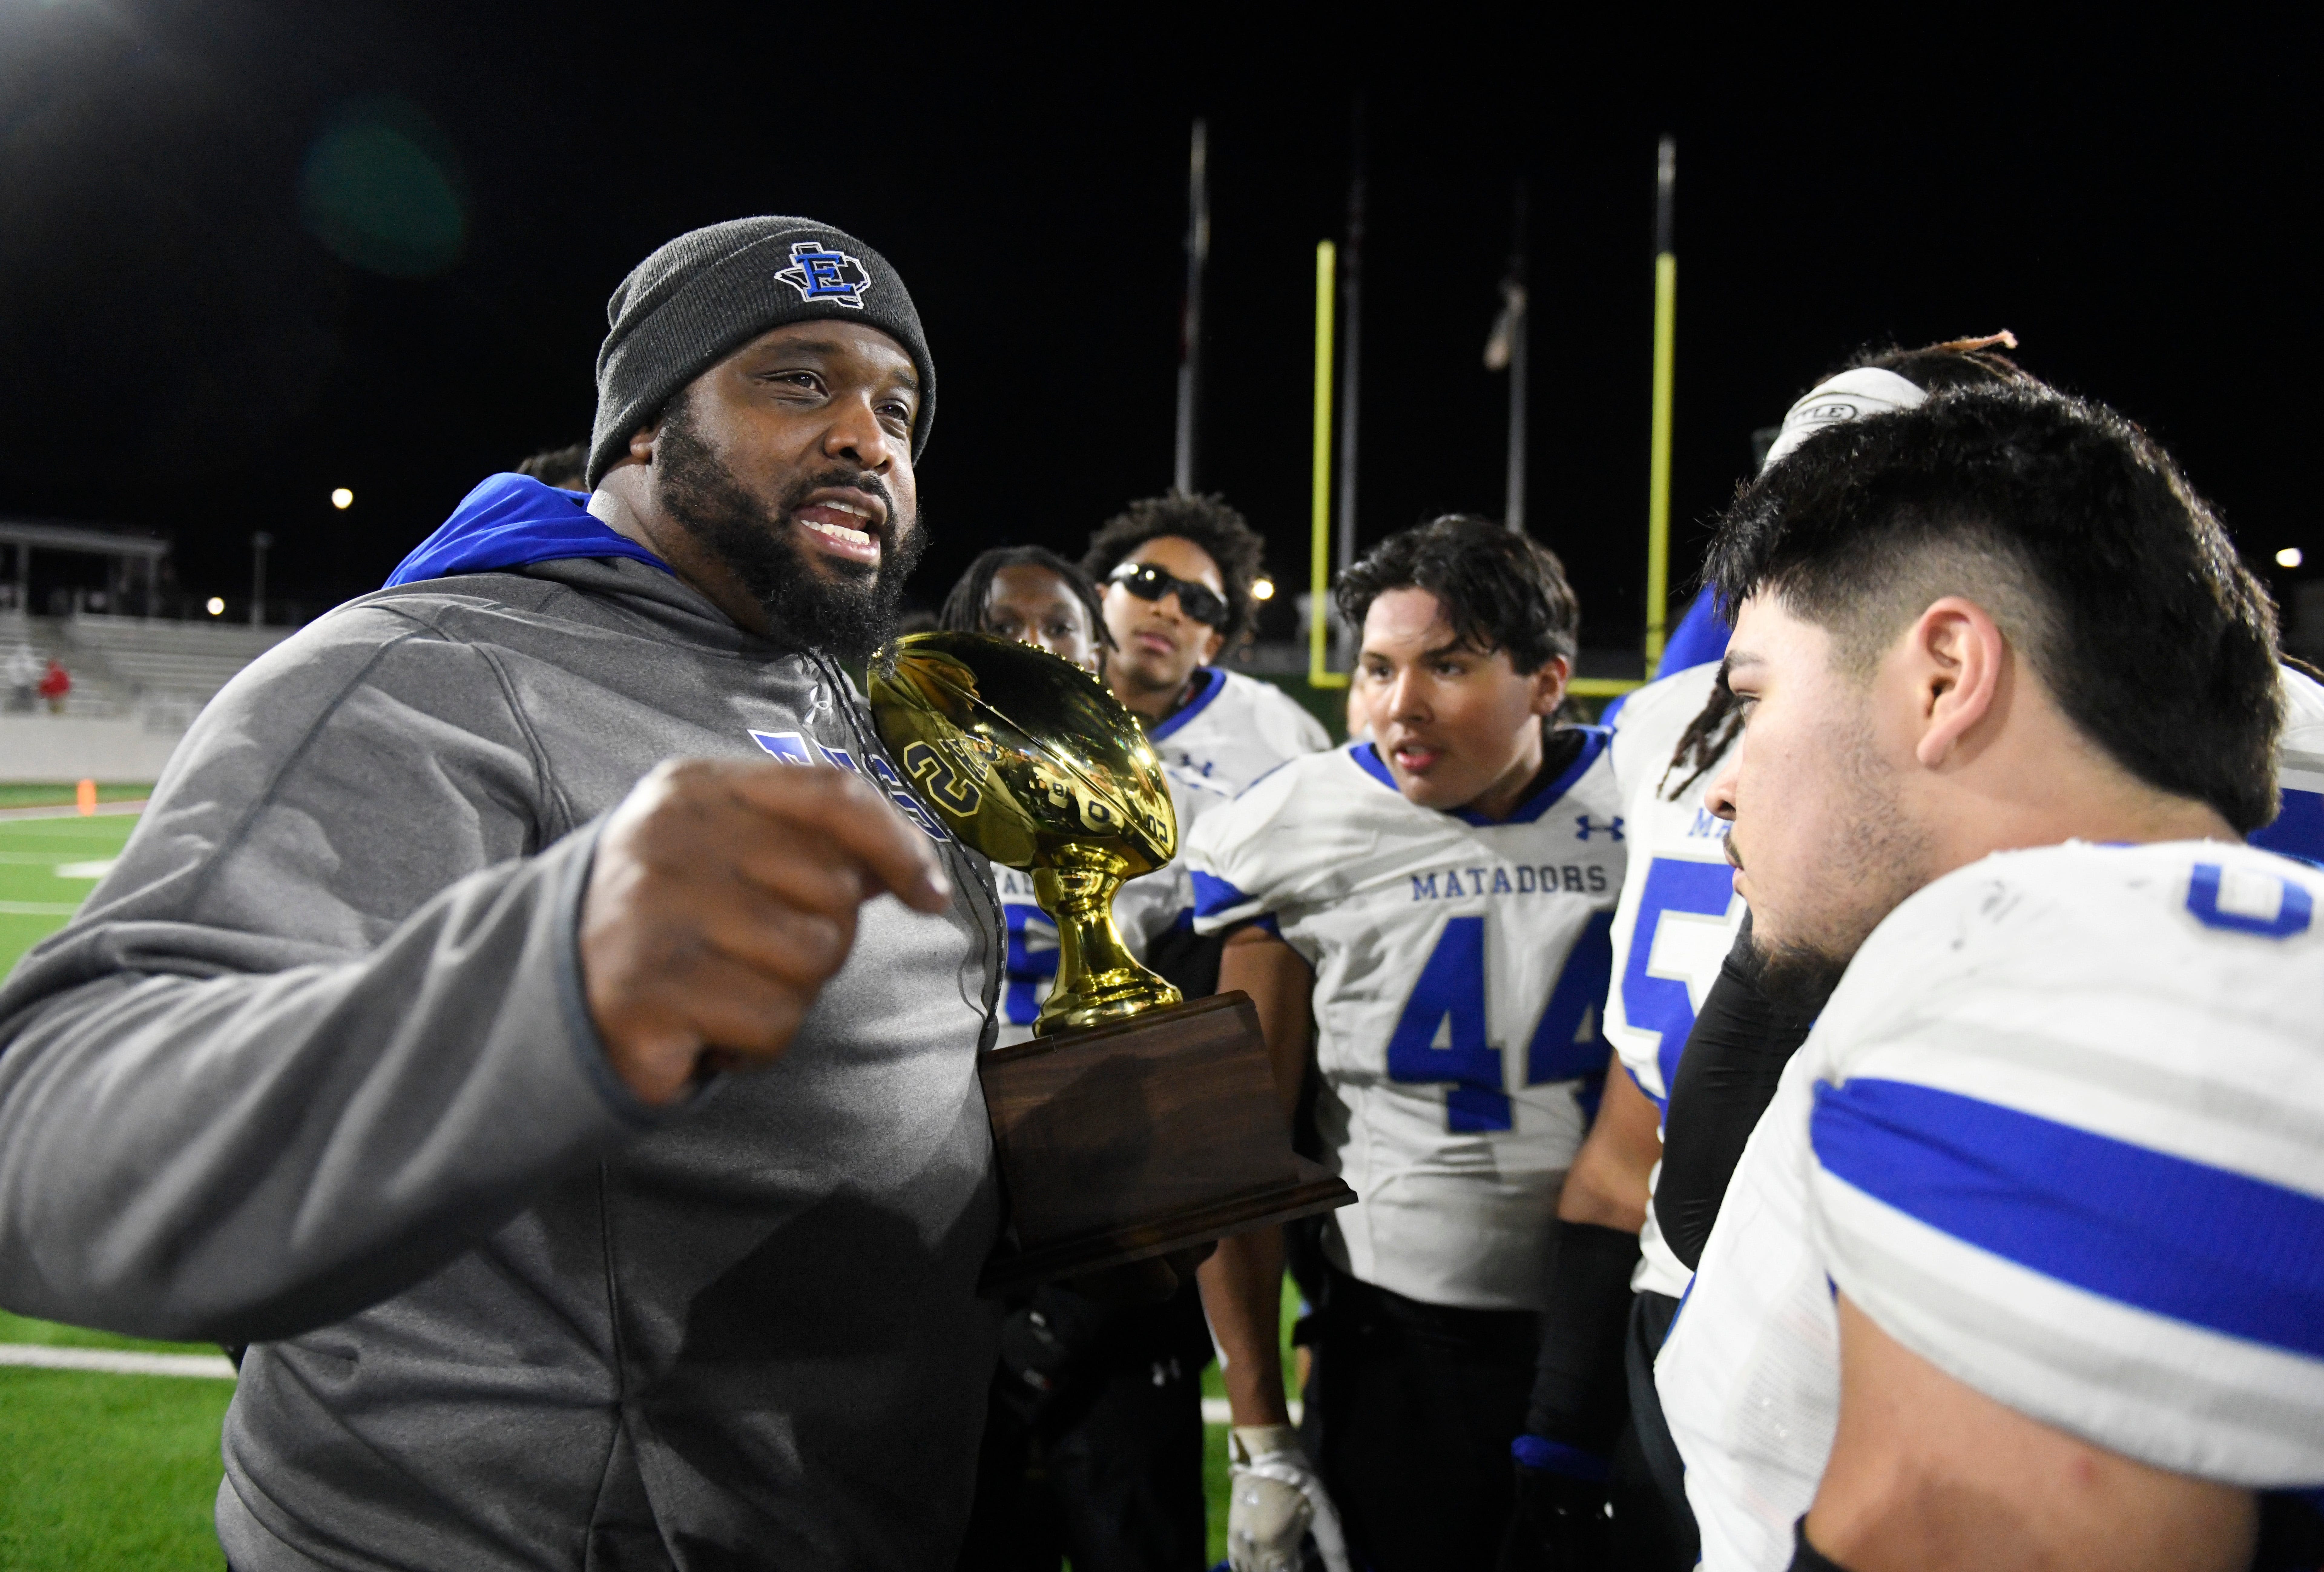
(58, 793)
(100, 1472)
(35, 897)
(50, 1334)
(97, 1471)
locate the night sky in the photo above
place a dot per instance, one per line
(217, 303)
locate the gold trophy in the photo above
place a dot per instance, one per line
(1134, 1124)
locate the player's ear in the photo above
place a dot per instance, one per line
(1212, 643)
(1955, 659)
(1549, 684)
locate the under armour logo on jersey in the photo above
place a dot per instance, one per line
(1586, 828)
(826, 275)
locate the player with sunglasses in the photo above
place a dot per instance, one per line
(1094, 1440)
(1178, 573)
(1149, 581)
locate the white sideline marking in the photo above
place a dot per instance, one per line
(38, 908)
(117, 1360)
(69, 810)
(217, 1367)
(86, 870)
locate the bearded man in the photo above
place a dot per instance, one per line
(405, 1041)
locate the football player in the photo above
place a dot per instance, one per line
(2020, 1267)
(1177, 572)
(1093, 1440)
(1436, 903)
(1035, 597)
(1594, 1426)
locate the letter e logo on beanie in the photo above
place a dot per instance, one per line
(824, 275)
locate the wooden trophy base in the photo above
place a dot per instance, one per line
(1139, 1137)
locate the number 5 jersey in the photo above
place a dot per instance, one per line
(1678, 915)
(1460, 967)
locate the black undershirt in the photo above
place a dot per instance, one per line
(1726, 1078)
(1560, 747)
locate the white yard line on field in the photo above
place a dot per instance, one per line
(66, 810)
(38, 908)
(117, 1360)
(217, 1367)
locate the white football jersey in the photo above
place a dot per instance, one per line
(1235, 729)
(1677, 917)
(1460, 971)
(2059, 1132)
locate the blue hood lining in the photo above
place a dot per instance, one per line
(512, 521)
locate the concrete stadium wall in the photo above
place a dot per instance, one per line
(45, 747)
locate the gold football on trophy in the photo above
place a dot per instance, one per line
(1029, 759)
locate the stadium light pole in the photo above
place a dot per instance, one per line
(1658, 457)
(1351, 312)
(1319, 557)
(1513, 291)
(258, 544)
(1190, 320)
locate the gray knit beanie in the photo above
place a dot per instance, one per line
(707, 293)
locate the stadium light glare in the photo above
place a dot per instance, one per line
(2290, 557)
(343, 499)
(1262, 589)
(215, 606)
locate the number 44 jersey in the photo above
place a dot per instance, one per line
(1460, 970)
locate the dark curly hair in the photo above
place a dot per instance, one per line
(2080, 538)
(1224, 535)
(568, 468)
(1500, 590)
(964, 607)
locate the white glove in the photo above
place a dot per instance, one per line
(1273, 1500)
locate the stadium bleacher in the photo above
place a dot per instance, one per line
(168, 670)
(154, 670)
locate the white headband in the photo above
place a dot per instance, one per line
(1850, 396)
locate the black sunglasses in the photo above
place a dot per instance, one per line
(1148, 582)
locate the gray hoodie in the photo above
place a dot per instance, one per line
(313, 1069)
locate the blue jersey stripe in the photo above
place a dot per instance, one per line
(2158, 1233)
(1594, 743)
(1214, 681)
(1367, 756)
(2299, 827)
(1594, 739)
(1213, 895)
(1701, 636)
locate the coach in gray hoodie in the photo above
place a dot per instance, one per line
(588, 1145)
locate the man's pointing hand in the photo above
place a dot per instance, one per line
(723, 897)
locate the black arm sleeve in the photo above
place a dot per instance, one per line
(1579, 1394)
(1726, 1077)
